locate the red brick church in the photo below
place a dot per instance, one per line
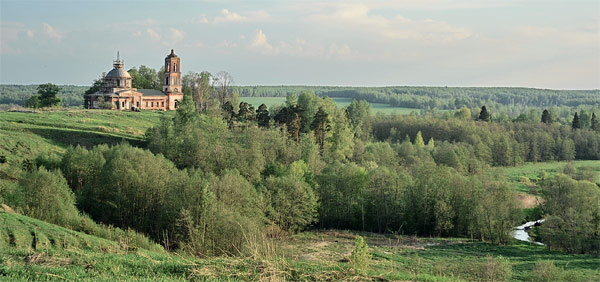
(117, 92)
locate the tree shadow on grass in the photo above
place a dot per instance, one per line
(65, 138)
(523, 254)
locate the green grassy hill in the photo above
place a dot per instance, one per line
(24, 135)
(34, 250)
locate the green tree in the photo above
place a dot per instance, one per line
(584, 118)
(576, 123)
(47, 95)
(358, 112)
(484, 115)
(145, 78)
(464, 114)
(360, 256)
(573, 215)
(546, 118)
(419, 140)
(594, 123)
(294, 202)
(321, 125)
(96, 85)
(48, 197)
(262, 116)
(33, 102)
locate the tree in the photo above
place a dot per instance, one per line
(573, 215)
(47, 95)
(584, 118)
(228, 112)
(464, 114)
(294, 202)
(96, 85)
(576, 123)
(262, 116)
(145, 78)
(546, 118)
(33, 102)
(321, 126)
(594, 123)
(484, 115)
(48, 197)
(223, 81)
(419, 140)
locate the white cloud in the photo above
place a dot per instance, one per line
(359, 18)
(251, 16)
(153, 34)
(51, 33)
(261, 44)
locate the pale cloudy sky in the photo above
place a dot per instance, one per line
(529, 43)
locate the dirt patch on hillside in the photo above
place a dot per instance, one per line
(528, 201)
(7, 208)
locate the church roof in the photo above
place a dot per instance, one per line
(151, 92)
(118, 72)
(171, 55)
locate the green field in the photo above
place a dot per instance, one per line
(23, 135)
(341, 102)
(535, 172)
(35, 250)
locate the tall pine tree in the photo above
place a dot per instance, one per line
(484, 115)
(546, 117)
(594, 123)
(576, 123)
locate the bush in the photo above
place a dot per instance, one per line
(294, 203)
(494, 269)
(48, 197)
(360, 256)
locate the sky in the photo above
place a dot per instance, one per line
(522, 43)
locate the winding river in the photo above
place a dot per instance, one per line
(520, 232)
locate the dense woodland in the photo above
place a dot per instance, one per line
(221, 166)
(257, 173)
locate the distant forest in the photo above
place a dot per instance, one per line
(444, 98)
(512, 101)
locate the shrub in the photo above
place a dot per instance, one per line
(360, 256)
(48, 197)
(494, 269)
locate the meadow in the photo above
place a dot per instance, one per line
(35, 250)
(524, 177)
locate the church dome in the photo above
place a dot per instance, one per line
(118, 73)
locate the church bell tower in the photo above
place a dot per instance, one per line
(172, 81)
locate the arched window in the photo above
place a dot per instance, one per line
(118, 83)
(167, 81)
(175, 67)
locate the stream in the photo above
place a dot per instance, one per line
(520, 232)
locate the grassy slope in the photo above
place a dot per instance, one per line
(57, 253)
(24, 135)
